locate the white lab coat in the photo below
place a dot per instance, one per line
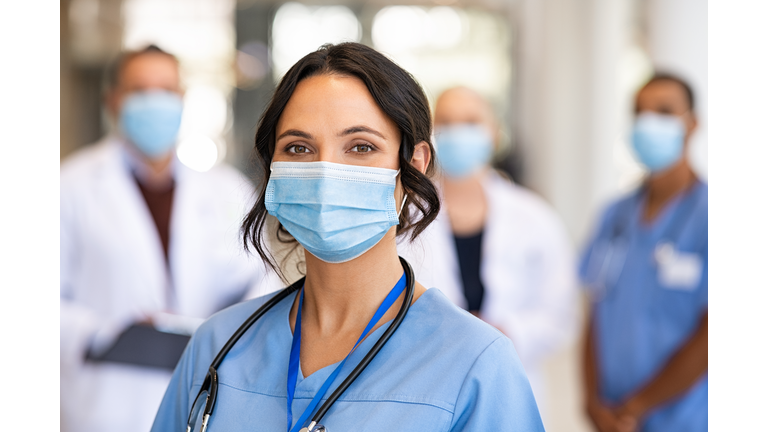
(528, 270)
(113, 273)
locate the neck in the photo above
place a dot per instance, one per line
(155, 173)
(346, 295)
(662, 187)
(468, 184)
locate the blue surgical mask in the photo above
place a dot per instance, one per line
(658, 140)
(463, 149)
(337, 212)
(151, 120)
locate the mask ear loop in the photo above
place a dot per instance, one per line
(405, 198)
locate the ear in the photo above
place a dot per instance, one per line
(421, 157)
(690, 125)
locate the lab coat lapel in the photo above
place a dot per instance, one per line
(497, 232)
(187, 248)
(119, 197)
(506, 266)
(446, 263)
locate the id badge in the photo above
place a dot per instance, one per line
(678, 270)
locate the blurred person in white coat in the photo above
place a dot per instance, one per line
(496, 249)
(147, 242)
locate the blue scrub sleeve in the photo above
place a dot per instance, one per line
(174, 409)
(704, 286)
(496, 395)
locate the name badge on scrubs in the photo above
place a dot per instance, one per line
(678, 270)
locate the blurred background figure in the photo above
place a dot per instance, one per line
(645, 364)
(560, 75)
(149, 248)
(496, 249)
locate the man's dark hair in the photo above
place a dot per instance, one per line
(400, 97)
(663, 76)
(115, 68)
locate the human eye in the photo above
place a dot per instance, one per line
(362, 148)
(297, 148)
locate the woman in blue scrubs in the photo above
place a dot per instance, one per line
(645, 362)
(345, 145)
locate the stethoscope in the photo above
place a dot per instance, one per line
(202, 408)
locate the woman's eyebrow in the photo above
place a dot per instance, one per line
(355, 129)
(295, 133)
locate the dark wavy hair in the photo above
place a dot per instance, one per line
(400, 97)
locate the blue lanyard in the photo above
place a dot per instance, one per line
(293, 362)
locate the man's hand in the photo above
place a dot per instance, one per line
(608, 420)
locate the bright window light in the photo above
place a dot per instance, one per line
(198, 152)
(298, 30)
(205, 112)
(400, 28)
(444, 27)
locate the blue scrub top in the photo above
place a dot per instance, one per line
(442, 370)
(649, 288)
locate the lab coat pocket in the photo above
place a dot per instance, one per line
(680, 271)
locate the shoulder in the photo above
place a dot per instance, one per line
(220, 181)
(518, 202)
(450, 319)
(702, 199)
(698, 221)
(475, 367)
(522, 199)
(216, 330)
(456, 337)
(619, 207)
(86, 162)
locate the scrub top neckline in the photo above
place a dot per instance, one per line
(667, 212)
(364, 345)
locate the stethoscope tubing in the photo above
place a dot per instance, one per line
(210, 383)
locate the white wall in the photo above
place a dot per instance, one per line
(677, 43)
(569, 107)
(569, 103)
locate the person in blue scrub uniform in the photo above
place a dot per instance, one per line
(645, 268)
(346, 155)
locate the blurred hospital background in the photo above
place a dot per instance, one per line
(561, 75)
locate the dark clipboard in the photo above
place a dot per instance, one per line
(143, 345)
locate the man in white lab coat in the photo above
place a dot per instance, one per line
(144, 240)
(496, 249)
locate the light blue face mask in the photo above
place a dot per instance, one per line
(337, 212)
(658, 140)
(463, 149)
(151, 120)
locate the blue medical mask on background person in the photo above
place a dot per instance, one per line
(337, 212)
(462, 149)
(658, 140)
(151, 120)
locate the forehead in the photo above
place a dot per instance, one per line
(148, 69)
(663, 91)
(332, 102)
(461, 102)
